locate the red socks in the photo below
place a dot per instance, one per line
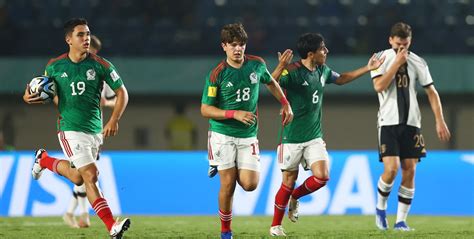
(49, 162)
(226, 219)
(281, 200)
(102, 210)
(310, 185)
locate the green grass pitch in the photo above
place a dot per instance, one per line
(243, 227)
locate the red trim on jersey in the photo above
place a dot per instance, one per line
(215, 72)
(65, 144)
(100, 60)
(255, 58)
(293, 66)
(56, 59)
(59, 123)
(209, 151)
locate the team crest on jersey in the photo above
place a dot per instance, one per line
(323, 80)
(253, 78)
(90, 74)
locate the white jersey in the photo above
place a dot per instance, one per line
(398, 103)
(107, 92)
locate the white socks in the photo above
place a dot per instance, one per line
(382, 194)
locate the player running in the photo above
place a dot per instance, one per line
(79, 77)
(79, 192)
(229, 100)
(302, 139)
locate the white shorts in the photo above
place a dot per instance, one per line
(80, 148)
(291, 155)
(227, 152)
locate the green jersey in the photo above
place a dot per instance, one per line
(79, 87)
(228, 88)
(304, 90)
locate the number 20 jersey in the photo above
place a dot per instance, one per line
(228, 88)
(79, 86)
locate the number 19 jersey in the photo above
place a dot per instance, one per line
(228, 88)
(79, 86)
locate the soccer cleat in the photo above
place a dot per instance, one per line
(69, 219)
(277, 231)
(84, 220)
(37, 170)
(119, 228)
(293, 209)
(381, 219)
(226, 235)
(402, 226)
(212, 171)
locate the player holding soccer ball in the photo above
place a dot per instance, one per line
(79, 77)
(302, 142)
(79, 192)
(229, 100)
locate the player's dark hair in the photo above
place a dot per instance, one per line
(308, 42)
(400, 29)
(72, 23)
(234, 32)
(95, 43)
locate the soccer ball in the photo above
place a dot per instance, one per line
(44, 86)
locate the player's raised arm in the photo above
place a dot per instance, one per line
(283, 61)
(346, 77)
(112, 127)
(382, 82)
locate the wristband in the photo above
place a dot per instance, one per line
(229, 114)
(284, 101)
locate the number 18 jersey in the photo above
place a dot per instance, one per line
(228, 88)
(79, 86)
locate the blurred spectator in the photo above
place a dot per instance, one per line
(180, 131)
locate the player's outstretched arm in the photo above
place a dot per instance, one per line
(435, 102)
(286, 111)
(373, 64)
(283, 61)
(112, 127)
(212, 112)
(31, 98)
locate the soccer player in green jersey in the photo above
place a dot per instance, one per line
(79, 76)
(229, 100)
(302, 141)
(79, 192)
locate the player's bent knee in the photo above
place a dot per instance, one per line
(78, 181)
(90, 176)
(249, 187)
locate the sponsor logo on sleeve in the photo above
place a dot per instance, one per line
(284, 72)
(114, 75)
(212, 91)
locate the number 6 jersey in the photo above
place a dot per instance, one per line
(79, 86)
(228, 88)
